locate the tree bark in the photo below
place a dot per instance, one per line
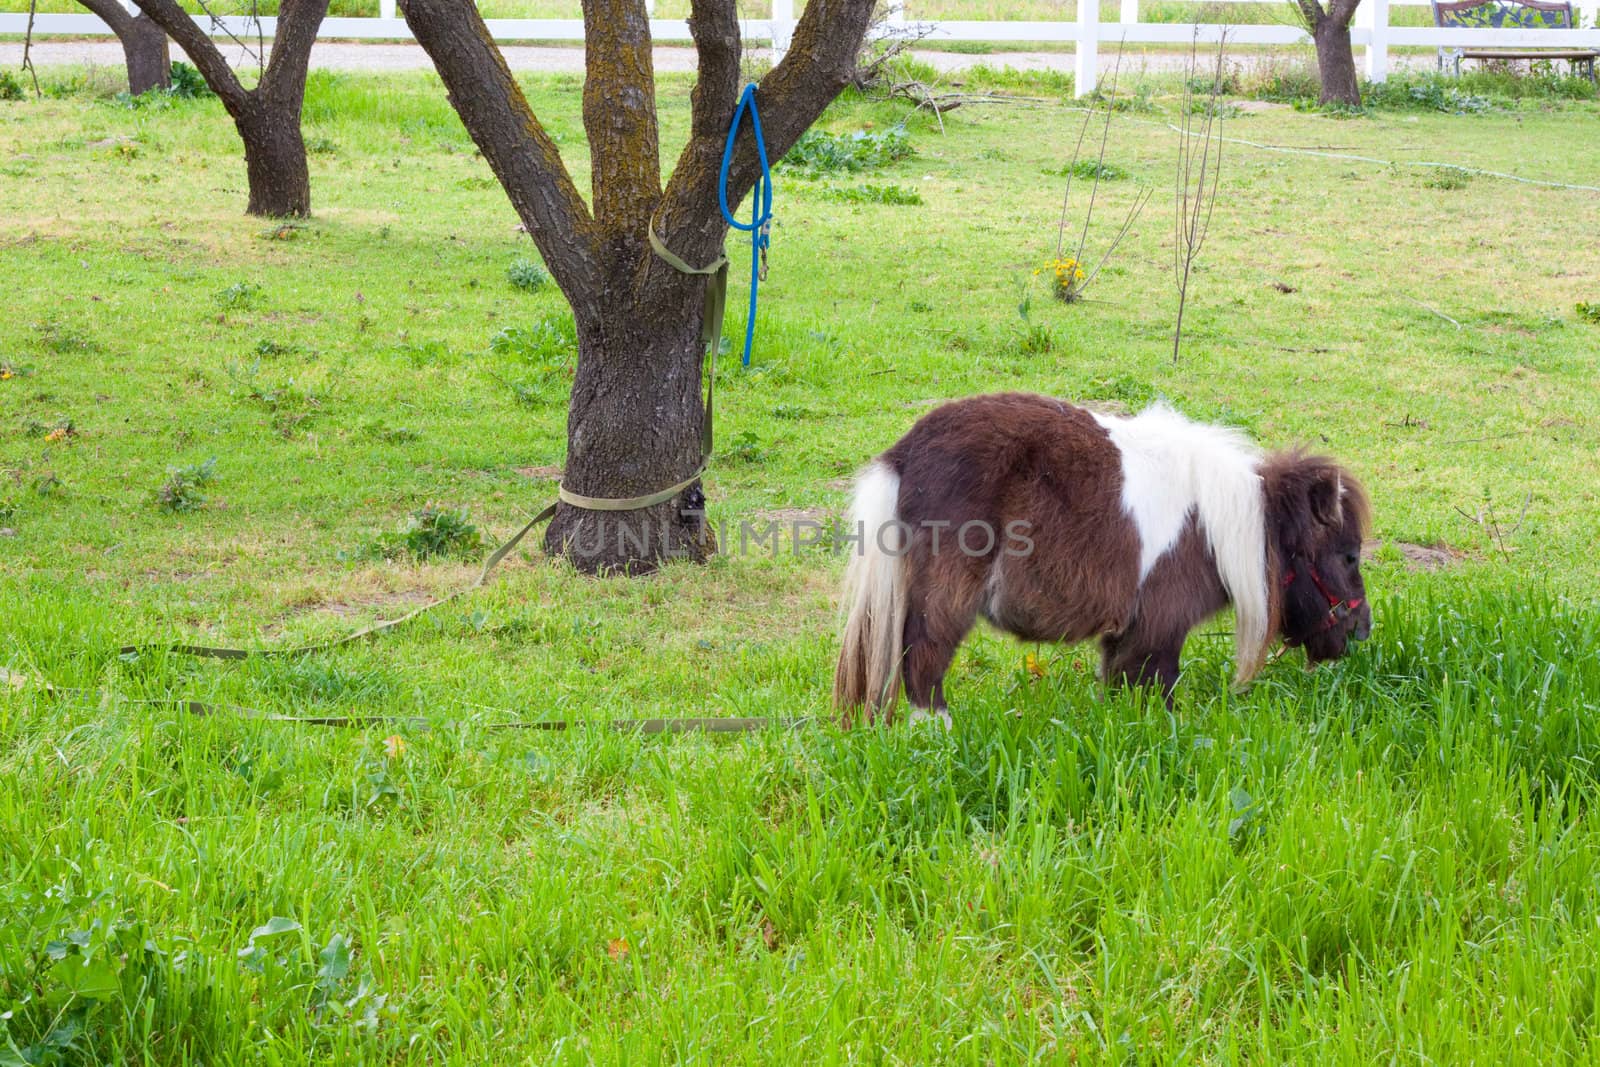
(635, 423)
(634, 428)
(1336, 64)
(268, 116)
(275, 161)
(144, 45)
(149, 57)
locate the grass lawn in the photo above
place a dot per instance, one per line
(1390, 859)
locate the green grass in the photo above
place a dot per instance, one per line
(1392, 858)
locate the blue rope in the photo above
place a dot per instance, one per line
(760, 225)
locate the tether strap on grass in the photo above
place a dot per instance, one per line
(200, 708)
(217, 652)
(692, 724)
(711, 335)
(716, 275)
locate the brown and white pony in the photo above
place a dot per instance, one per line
(1060, 524)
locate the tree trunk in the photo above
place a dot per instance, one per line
(275, 160)
(144, 45)
(268, 116)
(634, 428)
(1336, 62)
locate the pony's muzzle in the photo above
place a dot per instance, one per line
(1363, 628)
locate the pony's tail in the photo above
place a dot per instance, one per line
(874, 597)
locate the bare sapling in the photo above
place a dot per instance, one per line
(1197, 175)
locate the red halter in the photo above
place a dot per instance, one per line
(1338, 610)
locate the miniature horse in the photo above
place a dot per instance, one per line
(1060, 524)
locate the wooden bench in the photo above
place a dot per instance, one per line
(1515, 14)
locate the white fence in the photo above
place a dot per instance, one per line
(1371, 31)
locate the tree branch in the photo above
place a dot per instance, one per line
(208, 60)
(819, 65)
(697, 232)
(110, 12)
(1310, 13)
(619, 114)
(1342, 11)
(523, 156)
(298, 22)
(714, 24)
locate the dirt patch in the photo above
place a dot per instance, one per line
(385, 605)
(1115, 408)
(1252, 106)
(379, 591)
(176, 576)
(789, 516)
(358, 216)
(550, 474)
(1419, 557)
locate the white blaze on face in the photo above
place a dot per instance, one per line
(1172, 468)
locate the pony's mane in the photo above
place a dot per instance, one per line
(1174, 467)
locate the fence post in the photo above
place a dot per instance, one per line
(1130, 13)
(386, 9)
(897, 12)
(782, 28)
(1373, 16)
(1086, 67)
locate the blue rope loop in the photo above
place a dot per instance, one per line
(760, 225)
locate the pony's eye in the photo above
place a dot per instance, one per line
(1352, 558)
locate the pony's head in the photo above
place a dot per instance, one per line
(1317, 516)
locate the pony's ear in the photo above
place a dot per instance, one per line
(1325, 495)
(1309, 498)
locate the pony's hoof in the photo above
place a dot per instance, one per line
(940, 717)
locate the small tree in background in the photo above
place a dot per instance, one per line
(636, 415)
(268, 116)
(144, 45)
(1336, 61)
(1198, 174)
